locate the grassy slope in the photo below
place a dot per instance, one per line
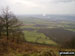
(28, 49)
(33, 36)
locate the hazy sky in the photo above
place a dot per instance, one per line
(40, 6)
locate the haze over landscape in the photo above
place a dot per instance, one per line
(37, 27)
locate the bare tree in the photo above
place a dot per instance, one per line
(1, 26)
(10, 25)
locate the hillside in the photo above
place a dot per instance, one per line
(59, 35)
(9, 48)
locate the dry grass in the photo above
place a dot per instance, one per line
(9, 48)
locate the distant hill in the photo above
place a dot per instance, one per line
(48, 17)
(59, 35)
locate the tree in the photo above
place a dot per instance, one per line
(1, 26)
(10, 25)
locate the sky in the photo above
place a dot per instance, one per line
(40, 6)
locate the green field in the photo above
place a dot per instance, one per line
(33, 36)
(36, 24)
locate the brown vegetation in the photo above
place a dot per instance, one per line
(24, 48)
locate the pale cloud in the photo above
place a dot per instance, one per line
(64, 0)
(40, 6)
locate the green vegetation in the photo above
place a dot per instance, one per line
(71, 30)
(34, 36)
